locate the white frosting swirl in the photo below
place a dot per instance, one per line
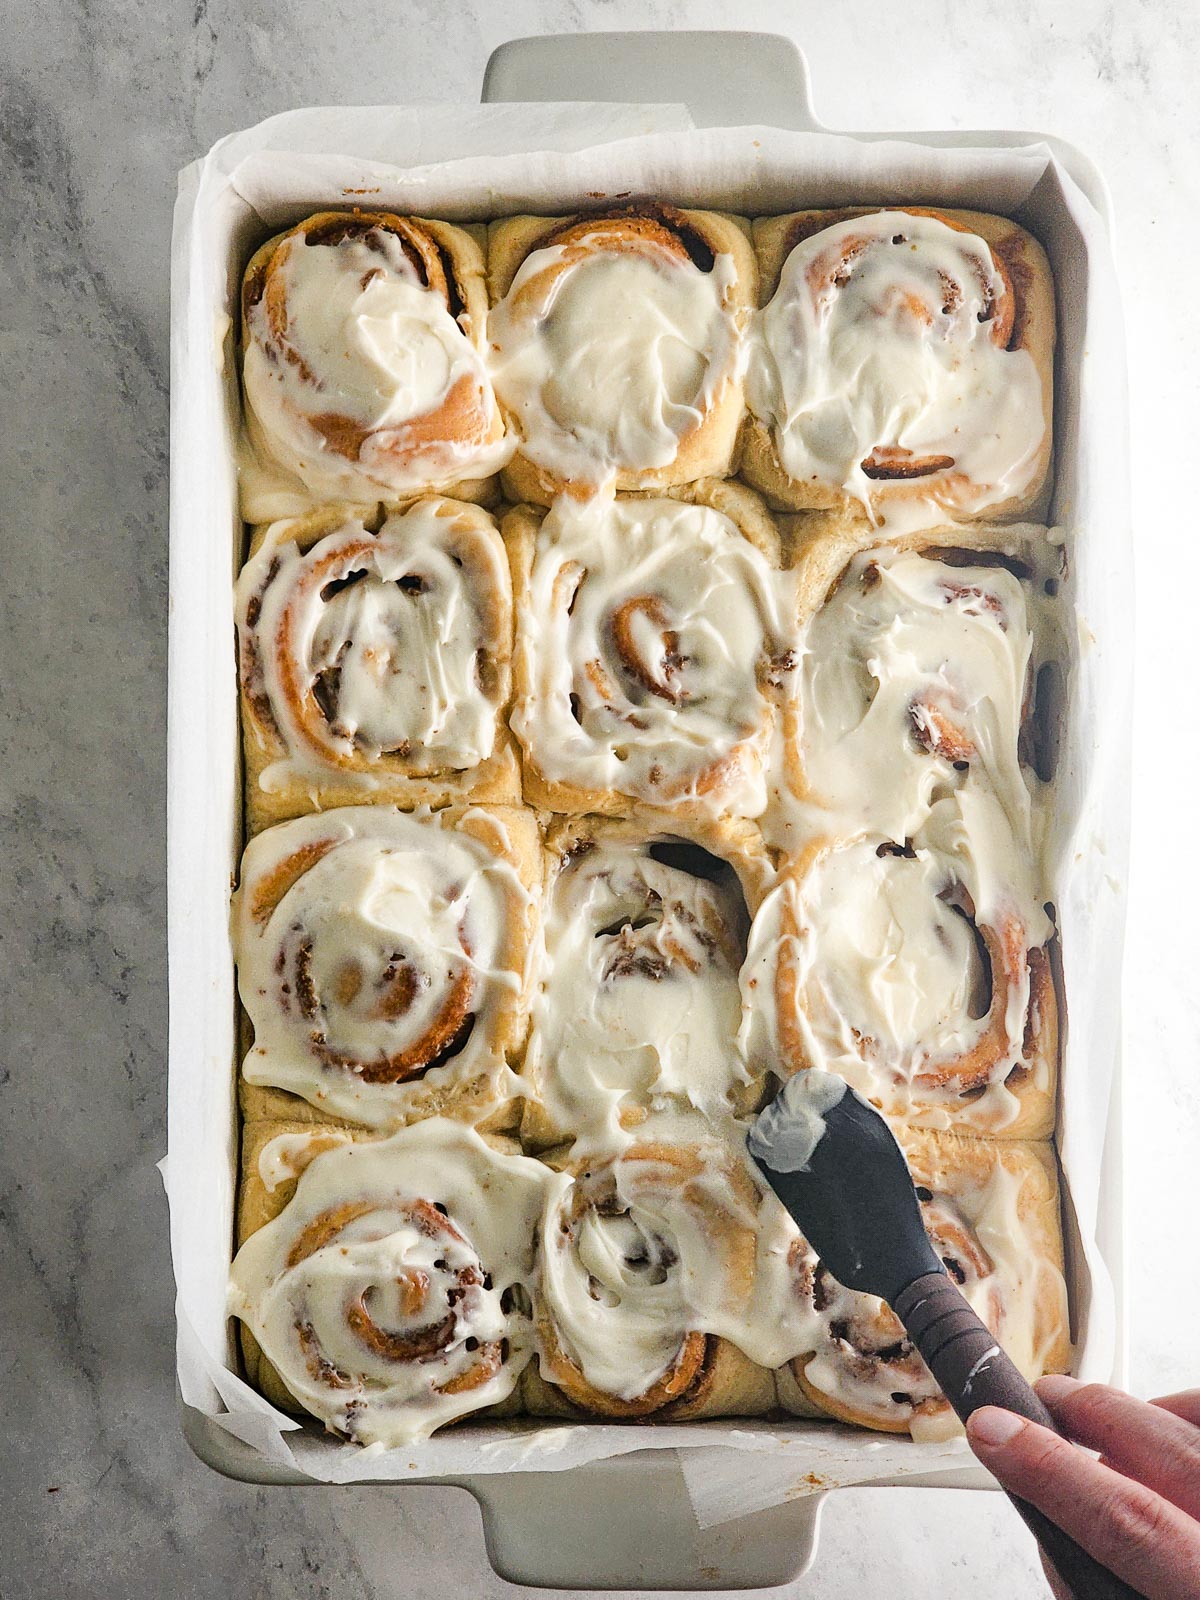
(908, 972)
(382, 1292)
(878, 348)
(914, 684)
(675, 1235)
(785, 1134)
(638, 1004)
(904, 950)
(358, 379)
(606, 357)
(649, 634)
(376, 653)
(374, 949)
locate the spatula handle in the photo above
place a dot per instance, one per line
(972, 1371)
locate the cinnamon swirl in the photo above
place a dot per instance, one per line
(992, 1211)
(617, 346)
(363, 370)
(384, 1292)
(915, 974)
(904, 357)
(909, 946)
(665, 1284)
(925, 673)
(382, 962)
(651, 652)
(636, 1002)
(374, 660)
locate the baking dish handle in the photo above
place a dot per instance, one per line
(726, 79)
(627, 1523)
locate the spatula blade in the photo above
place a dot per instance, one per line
(836, 1166)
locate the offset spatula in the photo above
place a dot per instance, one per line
(835, 1164)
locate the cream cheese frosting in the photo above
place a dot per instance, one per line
(371, 355)
(383, 1292)
(904, 946)
(674, 1234)
(878, 347)
(606, 359)
(378, 652)
(381, 962)
(907, 972)
(649, 632)
(637, 1005)
(914, 684)
(785, 1134)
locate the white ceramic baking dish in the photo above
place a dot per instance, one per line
(625, 1521)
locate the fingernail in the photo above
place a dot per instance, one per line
(993, 1427)
(1056, 1387)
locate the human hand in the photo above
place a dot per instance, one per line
(1137, 1509)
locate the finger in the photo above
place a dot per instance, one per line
(1185, 1405)
(1128, 1528)
(1145, 1442)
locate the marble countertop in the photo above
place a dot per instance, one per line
(99, 108)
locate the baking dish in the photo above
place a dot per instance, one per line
(541, 1516)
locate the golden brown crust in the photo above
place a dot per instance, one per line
(726, 1383)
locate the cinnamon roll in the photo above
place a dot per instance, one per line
(925, 673)
(909, 944)
(915, 972)
(636, 1005)
(617, 346)
(665, 1284)
(903, 365)
(382, 962)
(363, 371)
(992, 1212)
(651, 653)
(382, 1284)
(374, 660)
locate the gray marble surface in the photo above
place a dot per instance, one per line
(100, 104)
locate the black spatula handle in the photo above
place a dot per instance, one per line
(972, 1371)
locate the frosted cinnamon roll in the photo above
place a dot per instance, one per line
(617, 346)
(382, 962)
(651, 653)
(665, 1286)
(384, 1292)
(903, 364)
(992, 1212)
(374, 660)
(915, 972)
(923, 675)
(363, 373)
(636, 1005)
